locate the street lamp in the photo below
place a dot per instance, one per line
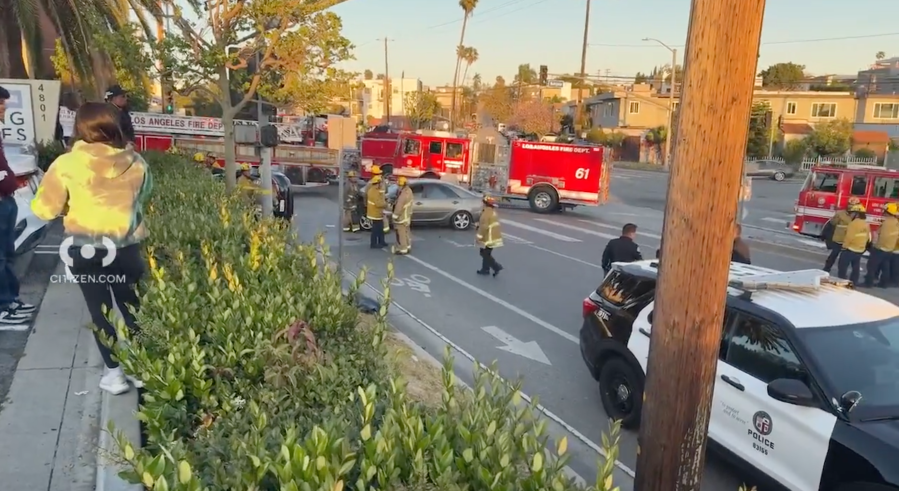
(670, 99)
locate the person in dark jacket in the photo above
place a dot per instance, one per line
(12, 309)
(621, 250)
(118, 97)
(740, 253)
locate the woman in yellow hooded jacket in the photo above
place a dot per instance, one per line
(100, 187)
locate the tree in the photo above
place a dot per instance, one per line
(758, 137)
(640, 78)
(497, 101)
(470, 56)
(421, 108)
(656, 137)
(477, 84)
(831, 138)
(783, 76)
(468, 7)
(295, 47)
(794, 151)
(533, 117)
(880, 55)
(865, 154)
(367, 74)
(380, 76)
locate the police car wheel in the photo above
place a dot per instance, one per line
(621, 391)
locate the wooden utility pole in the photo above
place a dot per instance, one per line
(720, 63)
(387, 94)
(583, 73)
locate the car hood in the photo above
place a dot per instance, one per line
(886, 431)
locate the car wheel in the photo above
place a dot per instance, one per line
(779, 176)
(621, 391)
(365, 223)
(461, 220)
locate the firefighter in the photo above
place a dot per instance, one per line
(199, 158)
(375, 204)
(858, 235)
(835, 231)
(879, 262)
(351, 203)
(622, 250)
(489, 237)
(402, 218)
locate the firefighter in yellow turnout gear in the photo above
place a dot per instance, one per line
(835, 233)
(375, 204)
(351, 203)
(402, 218)
(879, 262)
(489, 237)
(858, 235)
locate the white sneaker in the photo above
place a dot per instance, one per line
(114, 381)
(136, 382)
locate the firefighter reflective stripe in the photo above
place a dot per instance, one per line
(489, 231)
(402, 212)
(375, 204)
(840, 221)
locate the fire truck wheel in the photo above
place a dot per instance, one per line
(544, 199)
(430, 175)
(387, 170)
(461, 220)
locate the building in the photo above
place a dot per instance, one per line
(374, 104)
(882, 77)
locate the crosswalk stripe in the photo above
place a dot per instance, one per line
(639, 231)
(563, 238)
(578, 229)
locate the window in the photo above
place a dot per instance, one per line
(859, 186)
(824, 110)
(761, 350)
(380, 94)
(886, 111)
(607, 111)
(454, 150)
(411, 147)
(435, 147)
(436, 191)
(417, 190)
(620, 288)
(791, 108)
(825, 182)
(633, 108)
(886, 187)
(675, 105)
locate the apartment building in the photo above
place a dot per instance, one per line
(374, 103)
(881, 77)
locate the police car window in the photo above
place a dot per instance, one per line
(411, 147)
(435, 147)
(436, 191)
(859, 186)
(761, 350)
(886, 187)
(619, 288)
(825, 182)
(453, 150)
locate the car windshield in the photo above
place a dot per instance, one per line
(860, 357)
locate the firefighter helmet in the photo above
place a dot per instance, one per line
(199, 157)
(489, 200)
(854, 201)
(376, 170)
(375, 179)
(857, 208)
(351, 173)
(244, 166)
(401, 181)
(892, 208)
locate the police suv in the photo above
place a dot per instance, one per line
(807, 387)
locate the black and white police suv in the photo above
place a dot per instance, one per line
(807, 391)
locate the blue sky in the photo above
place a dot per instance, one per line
(549, 32)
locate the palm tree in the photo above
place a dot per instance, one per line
(477, 83)
(470, 56)
(525, 76)
(468, 7)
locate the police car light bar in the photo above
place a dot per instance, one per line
(808, 280)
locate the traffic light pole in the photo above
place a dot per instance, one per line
(697, 241)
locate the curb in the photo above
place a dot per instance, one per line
(119, 411)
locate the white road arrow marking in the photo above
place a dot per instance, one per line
(516, 346)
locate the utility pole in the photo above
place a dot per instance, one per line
(580, 92)
(698, 232)
(259, 116)
(388, 95)
(670, 128)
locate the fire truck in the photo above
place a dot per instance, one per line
(828, 188)
(427, 154)
(550, 176)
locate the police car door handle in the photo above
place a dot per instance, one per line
(732, 381)
(455, 202)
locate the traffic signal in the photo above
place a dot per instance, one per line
(169, 103)
(544, 74)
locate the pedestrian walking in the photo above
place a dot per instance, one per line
(402, 218)
(375, 204)
(489, 237)
(858, 235)
(351, 203)
(623, 249)
(834, 233)
(118, 97)
(881, 251)
(12, 309)
(740, 251)
(101, 187)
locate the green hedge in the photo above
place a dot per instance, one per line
(258, 377)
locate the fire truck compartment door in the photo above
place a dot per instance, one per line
(434, 155)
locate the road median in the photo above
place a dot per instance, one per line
(260, 372)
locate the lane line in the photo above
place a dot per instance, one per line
(572, 258)
(563, 238)
(540, 322)
(546, 412)
(639, 230)
(782, 221)
(516, 239)
(578, 229)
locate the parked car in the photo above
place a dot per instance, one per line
(805, 389)
(772, 169)
(435, 202)
(282, 206)
(30, 230)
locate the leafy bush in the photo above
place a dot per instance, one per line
(47, 153)
(795, 151)
(258, 377)
(865, 153)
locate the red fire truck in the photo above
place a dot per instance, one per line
(828, 188)
(435, 154)
(550, 176)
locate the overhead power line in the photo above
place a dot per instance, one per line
(792, 41)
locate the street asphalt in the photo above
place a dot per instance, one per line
(528, 318)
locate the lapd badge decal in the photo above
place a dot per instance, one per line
(762, 422)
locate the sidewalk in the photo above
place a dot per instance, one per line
(50, 426)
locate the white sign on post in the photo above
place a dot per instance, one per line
(18, 127)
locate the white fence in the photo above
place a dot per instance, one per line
(808, 163)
